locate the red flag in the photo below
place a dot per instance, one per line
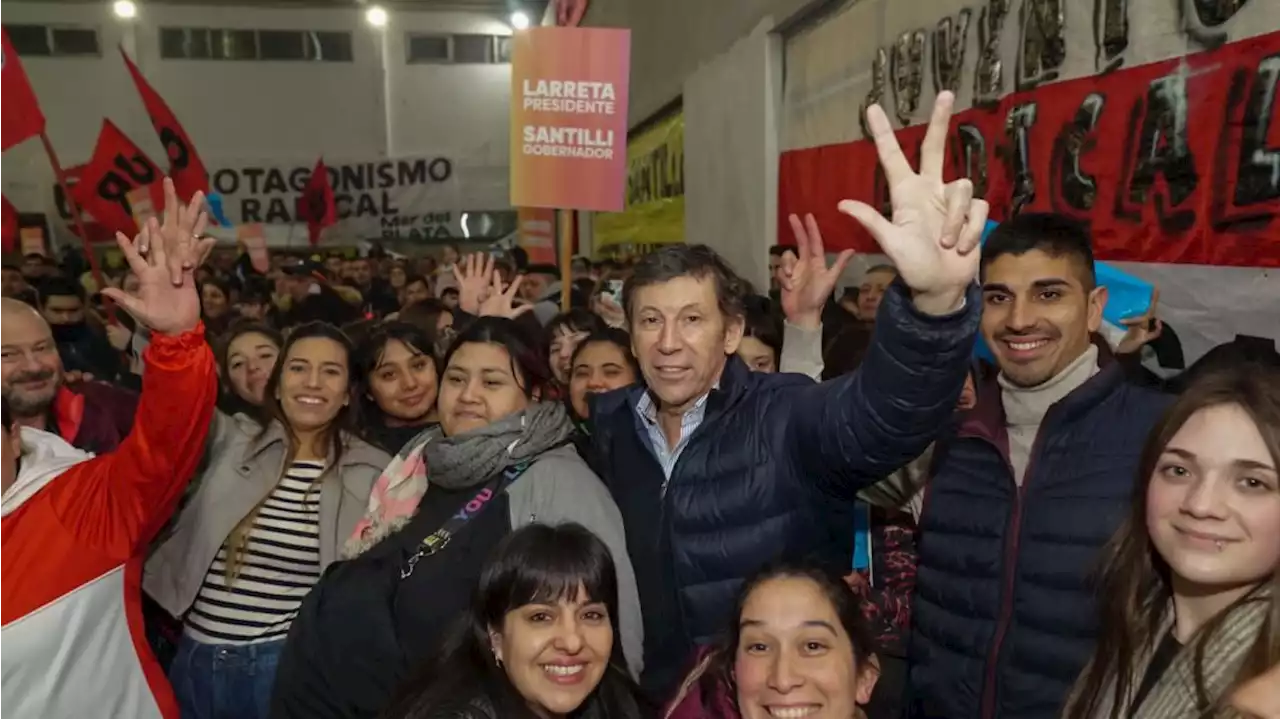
(21, 112)
(185, 167)
(95, 231)
(10, 215)
(118, 167)
(316, 205)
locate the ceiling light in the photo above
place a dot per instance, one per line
(376, 16)
(519, 20)
(125, 9)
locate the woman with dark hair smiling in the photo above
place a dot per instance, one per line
(539, 639)
(564, 332)
(216, 298)
(247, 354)
(500, 459)
(399, 384)
(434, 319)
(267, 514)
(601, 363)
(797, 646)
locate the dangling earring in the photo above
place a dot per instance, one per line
(497, 659)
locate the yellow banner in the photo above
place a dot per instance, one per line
(654, 213)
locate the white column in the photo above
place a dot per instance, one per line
(731, 108)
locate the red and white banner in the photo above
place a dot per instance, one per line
(1172, 162)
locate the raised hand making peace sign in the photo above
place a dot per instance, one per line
(933, 236)
(164, 257)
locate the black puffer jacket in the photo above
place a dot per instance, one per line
(771, 472)
(1004, 615)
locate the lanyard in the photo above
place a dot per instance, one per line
(439, 539)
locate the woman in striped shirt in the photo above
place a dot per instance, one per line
(269, 511)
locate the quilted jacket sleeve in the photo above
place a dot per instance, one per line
(119, 500)
(852, 431)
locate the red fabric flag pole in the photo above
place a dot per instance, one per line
(185, 166)
(316, 205)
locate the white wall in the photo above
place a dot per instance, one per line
(671, 38)
(275, 113)
(731, 108)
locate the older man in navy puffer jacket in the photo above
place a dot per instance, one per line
(717, 470)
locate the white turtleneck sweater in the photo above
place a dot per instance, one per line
(1025, 407)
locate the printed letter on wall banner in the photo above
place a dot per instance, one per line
(654, 214)
(569, 117)
(1173, 162)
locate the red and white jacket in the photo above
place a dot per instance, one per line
(73, 540)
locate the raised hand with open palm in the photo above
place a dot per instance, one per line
(164, 257)
(934, 234)
(502, 302)
(474, 274)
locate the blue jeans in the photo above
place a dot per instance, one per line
(224, 681)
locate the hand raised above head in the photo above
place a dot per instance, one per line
(474, 274)
(503, 303)
(934, 234)
(164, 257)
(1143, 329)
(807, 282)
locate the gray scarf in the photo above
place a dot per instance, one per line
(474, 457)
(457, 462)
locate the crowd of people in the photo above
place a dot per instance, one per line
(244, 483)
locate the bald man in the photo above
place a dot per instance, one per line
(92, 416)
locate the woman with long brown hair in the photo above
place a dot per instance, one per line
(266, 515)
(1190, 607)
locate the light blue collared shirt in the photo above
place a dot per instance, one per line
(667, 456)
